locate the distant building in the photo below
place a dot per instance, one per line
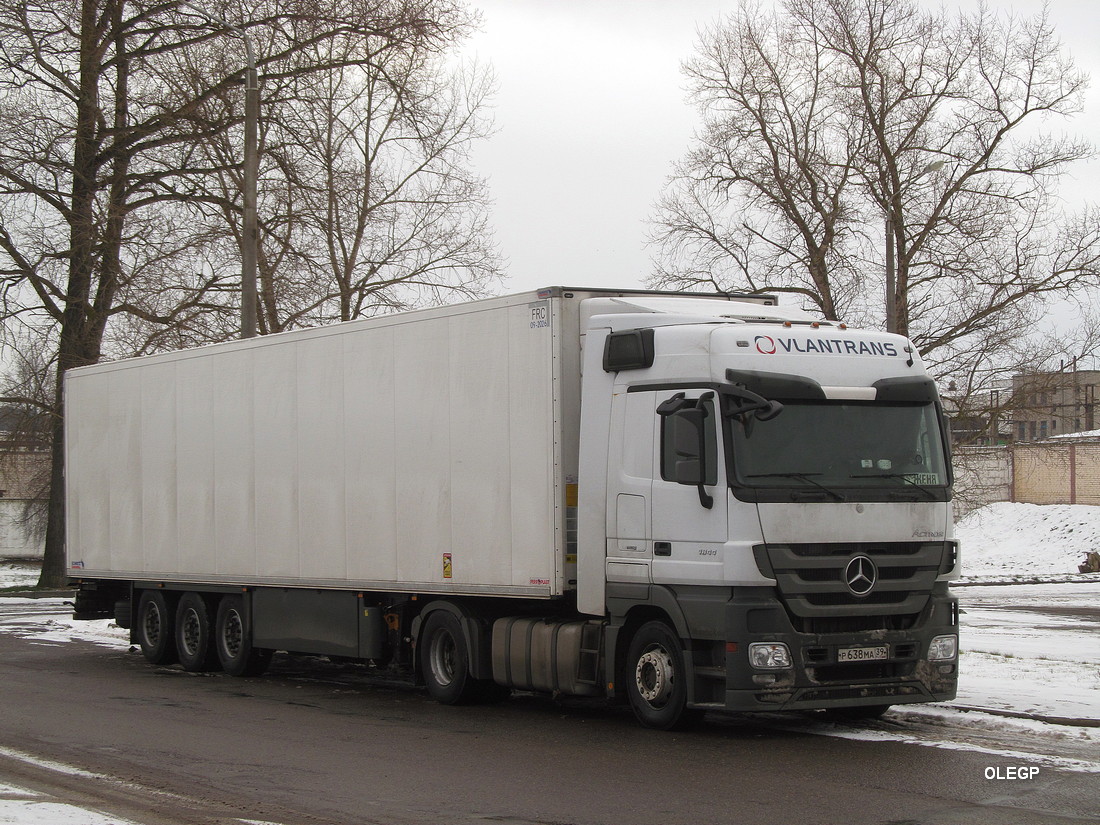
(979, 419)
(1031, 407)
(1054, 404)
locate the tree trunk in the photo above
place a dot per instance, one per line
(74, 346)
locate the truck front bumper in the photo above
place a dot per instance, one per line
(848, 668)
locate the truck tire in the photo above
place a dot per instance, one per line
(233, 640)
(445, 660)
(194, 634)
(656, 680)
(155, 623)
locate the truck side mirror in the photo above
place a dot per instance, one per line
(689, 446)
(686, 426)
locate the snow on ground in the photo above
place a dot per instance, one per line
(18, 573)
(1081, 436)
(49, 621)
(1031, 649)
(1028, 542)
(19, 806)
(23, 806)
(1034, 647)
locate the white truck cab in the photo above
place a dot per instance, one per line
(779, 488)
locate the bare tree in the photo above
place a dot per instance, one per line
(102, 103)
(963, 184)
(366, 201)
(399, 217)
(949, 181)
(762, 200)
(369, 202)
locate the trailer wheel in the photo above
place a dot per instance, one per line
(155, 621)
(233, 640)
(656, 680)
(194, 632)
(445, 661)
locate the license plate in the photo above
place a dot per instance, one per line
(862, 654)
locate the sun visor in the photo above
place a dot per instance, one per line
(776, 385)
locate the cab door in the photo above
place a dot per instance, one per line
(689, 496)
(629, 488)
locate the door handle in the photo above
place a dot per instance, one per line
(662, 548)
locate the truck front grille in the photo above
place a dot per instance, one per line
(812, 586)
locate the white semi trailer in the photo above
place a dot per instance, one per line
(686, 502)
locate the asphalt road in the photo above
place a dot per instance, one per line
(316, 742)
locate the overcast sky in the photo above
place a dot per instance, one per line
(591, 115)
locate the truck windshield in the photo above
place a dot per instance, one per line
(830, 447)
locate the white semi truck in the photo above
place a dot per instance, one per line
(685, 502)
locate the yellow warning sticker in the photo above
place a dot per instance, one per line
(447, 569)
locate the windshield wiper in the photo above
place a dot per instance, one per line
(801, 477)
(931, 494)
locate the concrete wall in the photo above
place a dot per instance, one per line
(983, 475)
(17, 539)
(21, 482)
(1032, 473)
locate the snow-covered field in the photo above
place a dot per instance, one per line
(1007, 542)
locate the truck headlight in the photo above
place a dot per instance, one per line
(943, 649)
(769, 655)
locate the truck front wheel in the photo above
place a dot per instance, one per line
(155, 625)
(656, 680)
(233, 640)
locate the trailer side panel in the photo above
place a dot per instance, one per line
(413, 453)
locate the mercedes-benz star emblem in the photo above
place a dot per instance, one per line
(860, 575)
